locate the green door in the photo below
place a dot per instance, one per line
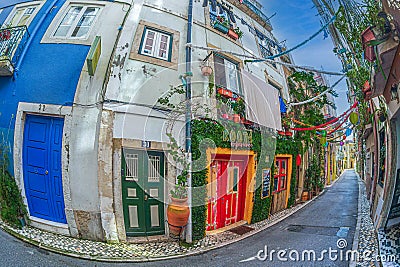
(143, 192)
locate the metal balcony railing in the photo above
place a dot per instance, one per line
(257, 11)
(265, 53)
(12, 41)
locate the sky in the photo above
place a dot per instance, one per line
(295, 21)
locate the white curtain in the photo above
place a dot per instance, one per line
(262, 102)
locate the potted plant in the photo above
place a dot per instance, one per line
(206, 70)
(232, 34)
(236, 118)
(238, 32)
(224, 92)
(178, 210)
(221, 24)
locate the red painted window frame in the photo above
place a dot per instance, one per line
(280, 175)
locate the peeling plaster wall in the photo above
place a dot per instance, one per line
(86, 187)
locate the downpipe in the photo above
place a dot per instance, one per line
(188, 117)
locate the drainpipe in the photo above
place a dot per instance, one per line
(188, 117)
(33, 34)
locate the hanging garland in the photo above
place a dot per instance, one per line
(319, 127)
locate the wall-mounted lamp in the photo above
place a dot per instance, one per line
(394, 92)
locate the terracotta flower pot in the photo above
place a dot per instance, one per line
(236, 118)
(178, 215)
(225, 92)
(304, 196)
(233, 34)
(206, 70)
(225, 116)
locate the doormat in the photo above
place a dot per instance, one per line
(241, 230)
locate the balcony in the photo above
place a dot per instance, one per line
(254, 12)
(265, 53)
(10, 48)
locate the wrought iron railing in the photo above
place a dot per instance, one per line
(12, 42)
(257, 11)
(265, 53)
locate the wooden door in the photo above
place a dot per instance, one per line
(41, 159)
(226, 193)
(143, 192)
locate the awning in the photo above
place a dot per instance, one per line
(282, 105)
(262, 102)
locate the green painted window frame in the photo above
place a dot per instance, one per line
(171, 36)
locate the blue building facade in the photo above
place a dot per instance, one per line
(50, 105)
(44, 73)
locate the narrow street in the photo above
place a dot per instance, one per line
(316, 227)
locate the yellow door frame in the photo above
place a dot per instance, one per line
(248, 209)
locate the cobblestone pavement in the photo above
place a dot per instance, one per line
(367, 239)
(135, 252)
(389, 244)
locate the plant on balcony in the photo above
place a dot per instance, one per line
(233, 35)
(224, 92)
(238, 32)
(221, 24)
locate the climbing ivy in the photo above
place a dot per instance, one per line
(205, 129)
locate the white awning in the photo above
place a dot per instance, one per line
(262, 102)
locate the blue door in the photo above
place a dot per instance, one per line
(42, 167)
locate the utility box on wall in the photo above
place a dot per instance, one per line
(94, 55)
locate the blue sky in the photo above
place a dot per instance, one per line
(295, 21)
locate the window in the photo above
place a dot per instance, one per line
(227, 74)
(77, 22)
(21, 16)
(280, 177)
(156, 44)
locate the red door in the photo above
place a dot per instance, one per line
(227, 192)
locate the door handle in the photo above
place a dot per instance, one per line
(46, 172)
(145, 197)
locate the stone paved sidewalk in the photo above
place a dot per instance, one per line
(136, 252)
(389, 245)
(367, 238)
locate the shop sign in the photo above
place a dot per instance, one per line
(238, 138)
(266, 181)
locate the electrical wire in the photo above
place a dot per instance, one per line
(306, 68)
(318, 96)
